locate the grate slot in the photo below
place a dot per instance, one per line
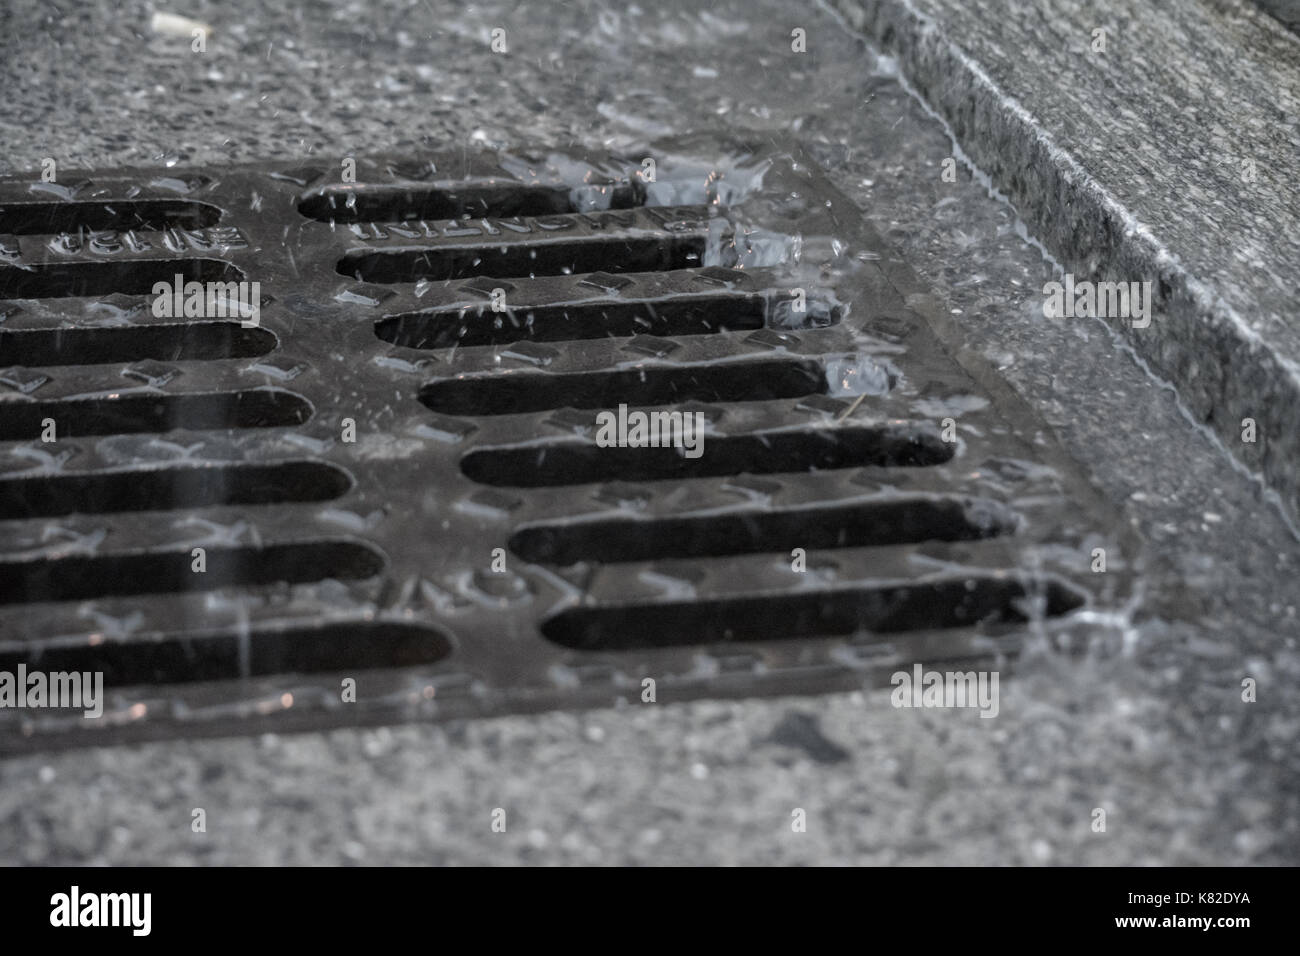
(157, 489)
(393, 203)
(550, 257)
(515, 392)
(258, 652)
(571, 463)
(679, 315)
(55, 280)
(887, 609)
(86, 577)
(117, 215)
(134, 412)
(166, 343)
(906, 521)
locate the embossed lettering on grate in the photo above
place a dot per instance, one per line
(394, 476)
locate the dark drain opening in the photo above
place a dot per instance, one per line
(515, 392)
(347, 204)
(156, 489)
(681, 315)
(269, 651)
(909, 607)
(124, 414)
(820, 527)
(57, 280)
(83, 577)
(549, 257)
(165, 343)
(116, 215)
(760, 453)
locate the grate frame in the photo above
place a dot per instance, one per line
(329, 348)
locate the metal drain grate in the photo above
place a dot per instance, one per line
(464, 319)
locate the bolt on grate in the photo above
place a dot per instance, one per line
(392, 467)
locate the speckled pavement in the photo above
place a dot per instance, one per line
(1156, 734)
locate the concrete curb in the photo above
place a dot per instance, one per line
(1220, 335)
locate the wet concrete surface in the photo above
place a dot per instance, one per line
(1143, 144)
(1157, 734)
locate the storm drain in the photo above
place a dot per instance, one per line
(389, 489)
